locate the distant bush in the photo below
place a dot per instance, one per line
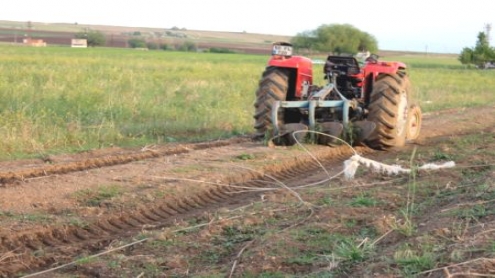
(137, 43)
(94, 38)
(220, 50)
(152, 45)
(188, 47)
(174, 34)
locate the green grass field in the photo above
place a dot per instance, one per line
(60, 99)
(443, 83)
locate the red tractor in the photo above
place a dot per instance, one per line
(368, 103)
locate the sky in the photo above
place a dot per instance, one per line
(416, 25)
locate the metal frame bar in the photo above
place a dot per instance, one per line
(311, 105)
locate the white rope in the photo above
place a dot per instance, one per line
(351, 165)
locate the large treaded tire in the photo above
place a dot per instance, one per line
(388, 109)
(272, 87)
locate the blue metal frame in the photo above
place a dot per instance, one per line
(311, 105)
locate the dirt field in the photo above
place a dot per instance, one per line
(238, 208)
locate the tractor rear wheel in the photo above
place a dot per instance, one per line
(388, 109)
(272, 87)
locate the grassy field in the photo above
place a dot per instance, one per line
(443, 83)
(61, 99)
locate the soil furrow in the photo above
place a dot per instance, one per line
(76, 240)
(10, 177)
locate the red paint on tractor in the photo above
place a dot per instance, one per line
(303, 66)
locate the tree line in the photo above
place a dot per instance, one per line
(334, 38)
(97, 38)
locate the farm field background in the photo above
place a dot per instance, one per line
(60, 34)
(59, 99)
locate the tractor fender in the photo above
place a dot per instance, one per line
(302, 66)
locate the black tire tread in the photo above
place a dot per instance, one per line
(272, 87)
(383, 110)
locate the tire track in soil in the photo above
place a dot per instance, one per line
(56, 245)
(11, 177)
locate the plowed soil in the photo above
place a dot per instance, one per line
(56, 211)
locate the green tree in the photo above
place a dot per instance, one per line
(480, 54)
(305, 40)
(336, 38)
(466, 56)
(94, 38)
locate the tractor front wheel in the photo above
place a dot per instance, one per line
(414, 123)
(272, 87)
(388, 109)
